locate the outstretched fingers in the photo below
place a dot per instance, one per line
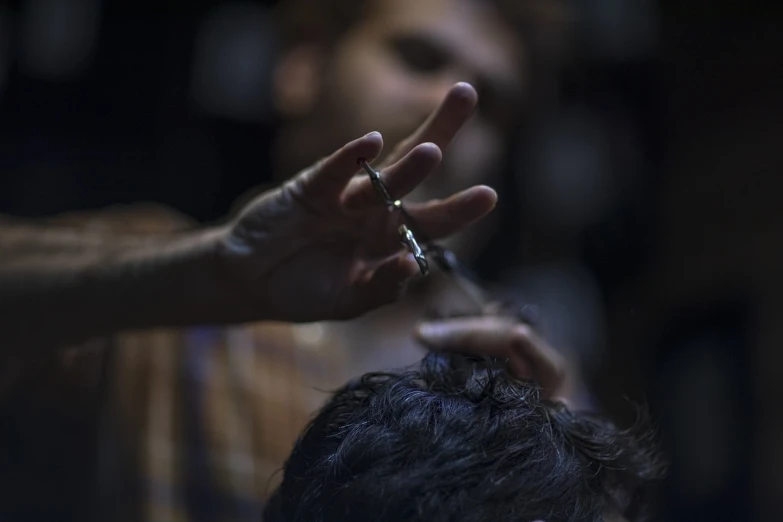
(440, 218)
(328, 178)
(443, 124)
(399, 179)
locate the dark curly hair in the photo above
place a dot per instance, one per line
(459, 440)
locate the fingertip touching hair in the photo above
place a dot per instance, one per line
(455, 440)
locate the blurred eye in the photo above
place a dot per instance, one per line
(420, 55)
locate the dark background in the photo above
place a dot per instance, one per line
(686, 257)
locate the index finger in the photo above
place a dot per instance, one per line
(442, 125)
(329, 177)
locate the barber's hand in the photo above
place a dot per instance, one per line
(323, 246)
(528, 355)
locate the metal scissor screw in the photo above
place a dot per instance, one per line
(409, 240)
(443, 258)
(380, 188)
(407, 236)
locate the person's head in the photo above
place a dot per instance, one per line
(349, 67)
(455, 440)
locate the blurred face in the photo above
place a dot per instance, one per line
(391, 69)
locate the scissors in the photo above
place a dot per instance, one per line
(422, 249)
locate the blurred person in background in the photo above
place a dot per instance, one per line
(190, 431)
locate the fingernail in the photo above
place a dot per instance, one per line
(479, 192)
(425, 330)
(373, 134)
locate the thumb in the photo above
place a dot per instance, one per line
(383, 286)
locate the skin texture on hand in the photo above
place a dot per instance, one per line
(321, 246)
(324, 246)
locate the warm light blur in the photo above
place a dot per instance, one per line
(639, 199)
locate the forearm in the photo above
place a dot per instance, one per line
(61, 286)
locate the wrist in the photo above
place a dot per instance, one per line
(205, 285)
(218, 257)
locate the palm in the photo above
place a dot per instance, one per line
(323, 246)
